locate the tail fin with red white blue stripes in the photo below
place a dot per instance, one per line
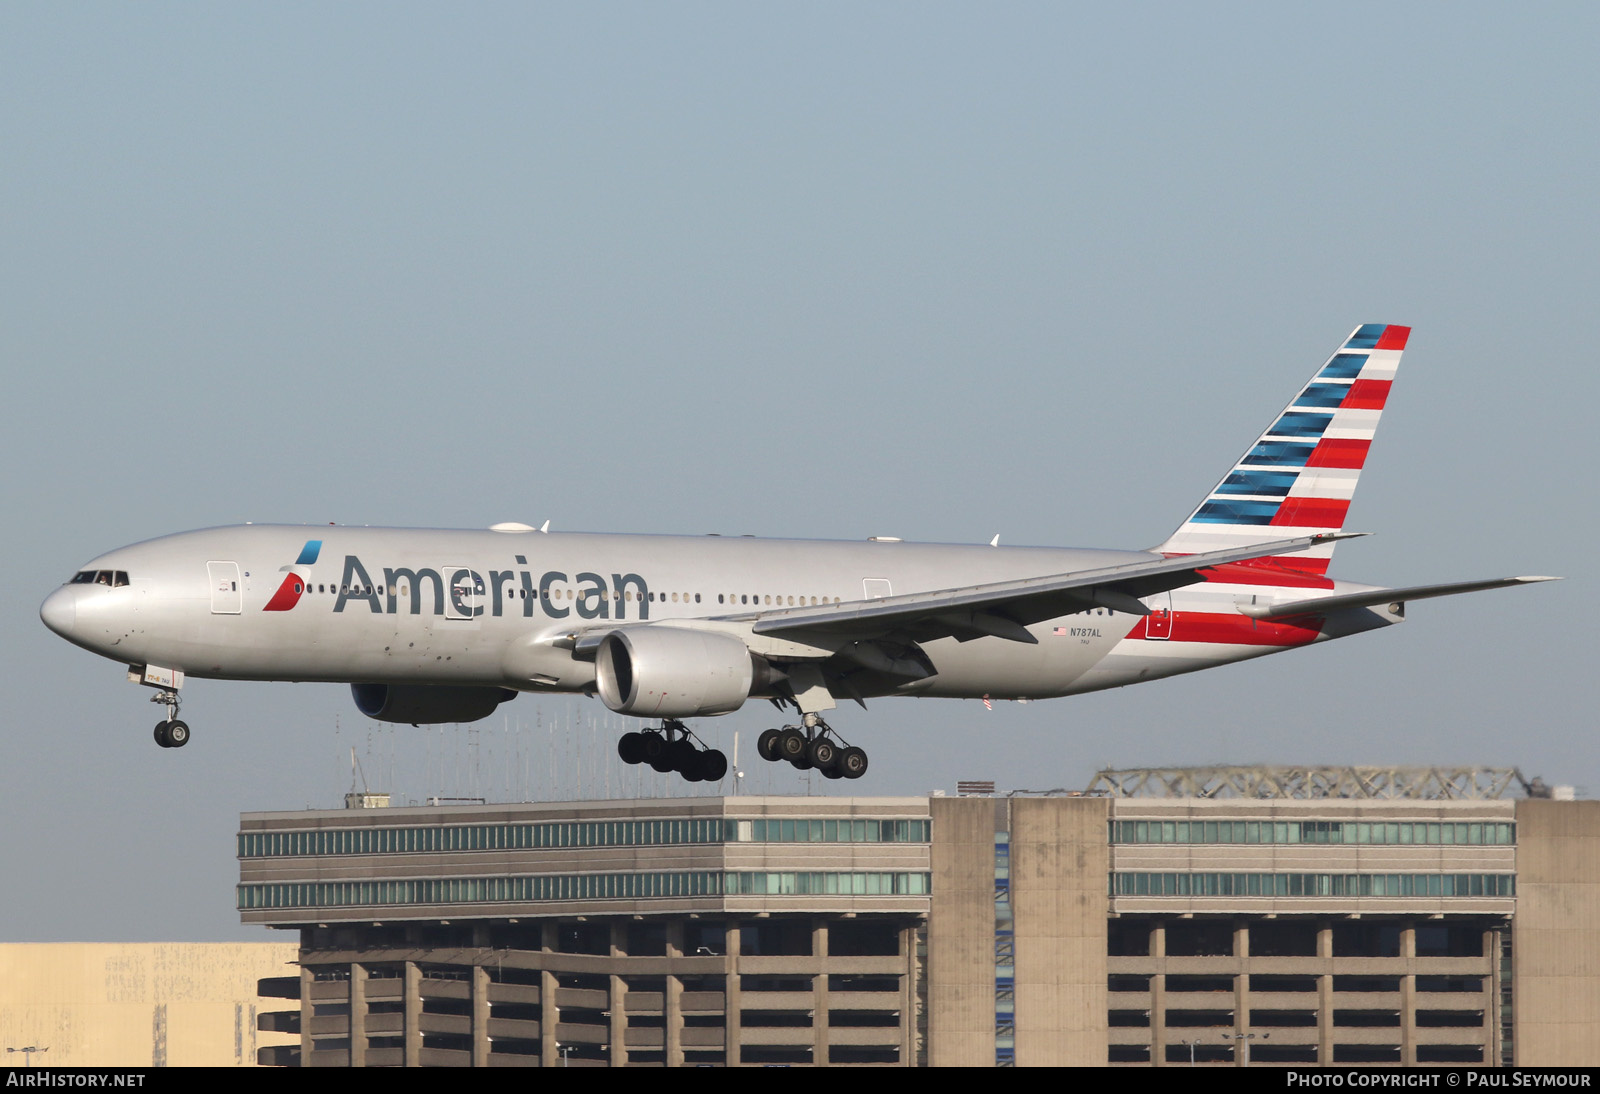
(1299, 476)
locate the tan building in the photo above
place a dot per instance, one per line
(146, 1004)
(1407, 927)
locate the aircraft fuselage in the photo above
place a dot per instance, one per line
(422, 606)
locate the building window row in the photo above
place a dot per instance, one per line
(631, 886)
(632, 833)
(817, 883)
(1275, 885)
(1240, 831)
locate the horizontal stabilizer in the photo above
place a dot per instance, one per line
(1371, 597)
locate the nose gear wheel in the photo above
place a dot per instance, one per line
(170, 733)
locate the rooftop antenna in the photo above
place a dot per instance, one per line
(738, 773)
(360, 797)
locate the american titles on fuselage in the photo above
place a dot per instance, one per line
(462, 592)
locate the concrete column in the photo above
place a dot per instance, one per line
(549, 1017)
(412, 996)
(908, 996)
(732, 998)
(1408, 996)
(1059, 865)
(673, 1019)
(673, 1002)
(1158, 995)
(1325, 996)
(961, 926)
(1492, 985)
(480, 1016)
(307, 1009)
(549, 1013)
(1241, 994)
(619, 1022)
(358, 1015)
(819, 994)
(618, 997)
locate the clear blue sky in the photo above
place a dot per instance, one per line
(796, 270)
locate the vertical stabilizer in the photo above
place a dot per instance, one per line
(1299, 476)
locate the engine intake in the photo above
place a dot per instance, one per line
(672, 672)
(425, 704)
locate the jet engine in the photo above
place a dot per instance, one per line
(423, 704)
(672, 672)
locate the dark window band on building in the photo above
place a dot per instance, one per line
(630, 833)
(548, 887)
(1429, 833)
(1275, 885)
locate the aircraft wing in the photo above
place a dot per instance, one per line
(1005, 609)
(1373, 597)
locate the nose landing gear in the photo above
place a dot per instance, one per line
(170, 733)
(673, 748)
(813, 745)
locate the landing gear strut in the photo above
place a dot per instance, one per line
(673, 748)
(813, 745)
(170, 733)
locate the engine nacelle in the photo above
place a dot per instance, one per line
(671, 672)
(426, 704)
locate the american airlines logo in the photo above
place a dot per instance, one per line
(293, 587)
(461, 592)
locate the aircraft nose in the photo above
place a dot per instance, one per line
(60, 611)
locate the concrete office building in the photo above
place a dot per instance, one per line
(1253, 916)
(682, 931)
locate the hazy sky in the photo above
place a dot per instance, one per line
(841, 270)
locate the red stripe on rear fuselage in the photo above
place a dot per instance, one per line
(1237, 630)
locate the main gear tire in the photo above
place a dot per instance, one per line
(792, 745)
(767, 745)
(630, 748)
(713, 765)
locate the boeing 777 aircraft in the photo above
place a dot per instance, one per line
(443, 626)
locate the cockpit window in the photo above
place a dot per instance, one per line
(114, 578)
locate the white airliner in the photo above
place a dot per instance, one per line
(443, 626)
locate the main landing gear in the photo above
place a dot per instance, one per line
(170, 733)
(813, 745)
(671, 748)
